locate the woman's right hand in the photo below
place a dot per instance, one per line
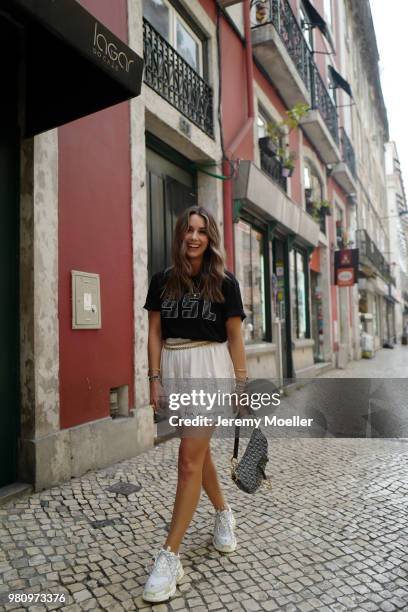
(155, 394)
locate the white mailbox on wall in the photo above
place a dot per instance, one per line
(86, 300)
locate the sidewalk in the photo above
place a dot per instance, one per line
(386, 363)
(331, 535)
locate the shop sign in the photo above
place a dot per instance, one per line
(346, 267)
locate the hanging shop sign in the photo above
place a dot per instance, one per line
(346, 267)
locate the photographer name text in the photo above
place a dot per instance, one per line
(267, 421)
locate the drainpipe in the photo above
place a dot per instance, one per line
(233, 146)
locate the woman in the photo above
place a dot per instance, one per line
(195, 315)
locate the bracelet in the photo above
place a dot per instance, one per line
(154, 377)
(240, 369)
(153, 370)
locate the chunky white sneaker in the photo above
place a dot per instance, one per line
(166, 572)
(224, 539)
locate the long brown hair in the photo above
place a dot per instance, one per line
(212, 269)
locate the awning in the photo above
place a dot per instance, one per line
(338, 81)
(73, 65)
(315, 19)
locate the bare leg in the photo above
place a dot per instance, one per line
(211, 483)
(192, 453)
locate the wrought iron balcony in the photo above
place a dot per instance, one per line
(369, 249)
(176, 81)
(348, 152)
(280, 14)
(272, 166)
(280, 45)
(322, 101)
(319, 218)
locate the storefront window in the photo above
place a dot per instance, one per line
(250, 272)
(299, 297)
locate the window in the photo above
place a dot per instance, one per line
(270, 149)
(157, 13)
(165, 19)
(340, 229)
(314, 196)
(261, 124)
(250, 271)
(306, 28)
(299, 293)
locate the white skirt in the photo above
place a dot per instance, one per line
(206, 370)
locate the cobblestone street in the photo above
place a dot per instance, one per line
(331, 535)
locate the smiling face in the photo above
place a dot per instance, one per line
(196, 238)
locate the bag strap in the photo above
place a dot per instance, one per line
(236, 443)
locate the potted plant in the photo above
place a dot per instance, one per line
(268, 145)
(261, 11)
(315, 211)
(325, 208)
(271, 143)
(278, 130)
(288, 164)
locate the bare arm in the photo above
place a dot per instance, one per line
(154, 348)
(154, 345)
(236, 346)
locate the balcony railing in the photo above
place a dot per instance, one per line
(369, 249)
(320, 219)
(175, 80)
(280, 14)
(348, 152)
(272, 166)
(322, 101)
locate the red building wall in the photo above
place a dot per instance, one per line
(234, 91)
(95, 236)
(210, 8)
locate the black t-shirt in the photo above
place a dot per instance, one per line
(195, 318)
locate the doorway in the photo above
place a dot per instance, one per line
(170, 190)
(9, 258)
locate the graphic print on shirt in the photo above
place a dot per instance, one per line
(189, 305)
(169, 309)
(207, 314)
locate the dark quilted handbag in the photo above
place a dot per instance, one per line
(249, 473)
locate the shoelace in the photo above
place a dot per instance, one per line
(163, 563)
(224, 524)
